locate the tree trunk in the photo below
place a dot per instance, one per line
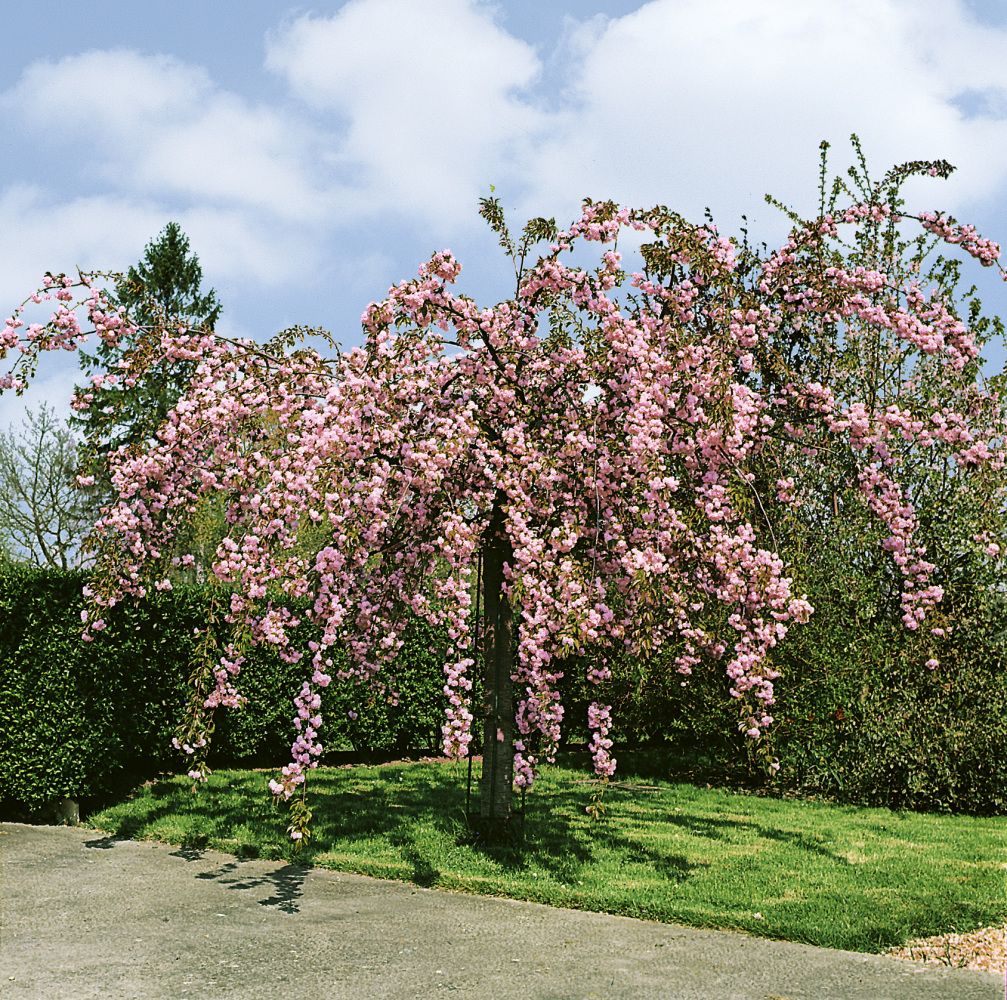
(495, 786)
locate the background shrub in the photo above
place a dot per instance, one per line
(857, 717)
(87, 720)
(77, 719)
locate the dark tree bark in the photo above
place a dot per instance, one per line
(495, 786)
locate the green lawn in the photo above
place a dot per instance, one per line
(838, 876)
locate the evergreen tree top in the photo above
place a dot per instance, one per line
(165, 284)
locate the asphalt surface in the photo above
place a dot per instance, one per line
(86, 916)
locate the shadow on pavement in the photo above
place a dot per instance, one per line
(286, 882)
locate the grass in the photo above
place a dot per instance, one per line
(825, 874)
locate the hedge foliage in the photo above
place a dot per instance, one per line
(857, 721)
(88, 720)
(857, 716)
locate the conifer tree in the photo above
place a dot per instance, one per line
(162, 291)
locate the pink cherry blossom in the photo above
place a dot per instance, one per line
(612, 423)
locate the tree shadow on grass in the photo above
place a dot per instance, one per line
(396, 804)
(567, 835)
(415, 809)
(128, 829)
(731, 829)
(802, 843)
(423, 873)
(555, 836)
(674, 868)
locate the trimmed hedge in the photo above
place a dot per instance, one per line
(87, 720)
(857, 718)
(81, 720)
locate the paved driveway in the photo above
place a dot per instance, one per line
(85, 916)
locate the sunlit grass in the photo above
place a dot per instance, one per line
(839, 876)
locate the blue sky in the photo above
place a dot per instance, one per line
(315, 155)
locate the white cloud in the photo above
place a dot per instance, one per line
(232, 153)
(243, 248)
(105, 232)
(685, 102)
(156, 126)
(431, 100)
(715, 102)
(399, 115)
(116, 89)
(46, 234)
(410, 112)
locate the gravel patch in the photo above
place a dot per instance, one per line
(984, 950)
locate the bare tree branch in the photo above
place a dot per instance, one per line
(44, 517)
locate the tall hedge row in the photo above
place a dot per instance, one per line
(853, 721)
(87, 720)
(857, 717)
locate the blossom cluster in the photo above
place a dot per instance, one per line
(986, 251)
